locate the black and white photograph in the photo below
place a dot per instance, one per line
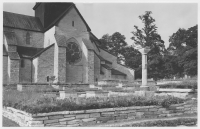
(100, 63)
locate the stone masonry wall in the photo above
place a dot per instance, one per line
(5, 70)
(13, 71)
(45, 65)
(96, 68)
(62, 64)
(65, 24)
(36, 38)
(95, 116)
(91, 67)
(24, 72)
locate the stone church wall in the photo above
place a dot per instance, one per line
(96, 68)
(35, 70)
(13, 71)
(24, 72)
(36, 38)
(62, 64)
(12, 48)
(66, 23)
(91, 77)
(5, 70)
(45, 65)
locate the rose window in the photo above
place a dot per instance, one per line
(73, 53)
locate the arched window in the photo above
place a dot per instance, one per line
(28, 37)
(73, 53)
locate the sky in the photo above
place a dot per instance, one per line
(108, 18)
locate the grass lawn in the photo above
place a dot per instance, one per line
(9, 123)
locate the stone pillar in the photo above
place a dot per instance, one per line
(144, 52)
(13, 71)
(91, 67)
(62, 65)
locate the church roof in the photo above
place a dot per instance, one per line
(54, 11)
(43, 50)
(88, 44)
(28, 52)
(21, 21)
(106, 66)
(103, 59)
(116, 72)
(13, 55)
(10, 38)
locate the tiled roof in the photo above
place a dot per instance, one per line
(106, 66)
(13, 55)
(61, 40)
(40, 52)
(5, 53)
(28, 52)
(21, 21)
(116, 72)
(10, 38)
(103, 59)
(88, 44)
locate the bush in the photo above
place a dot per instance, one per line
(36, 102)
(171, 100)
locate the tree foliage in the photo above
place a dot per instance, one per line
(183, 46)
(178, 59)
(148, 37)
(114, 44)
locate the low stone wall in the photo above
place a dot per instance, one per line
(118, 83)
(94, 116)
(31, 86)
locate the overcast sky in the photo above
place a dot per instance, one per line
(108, 18)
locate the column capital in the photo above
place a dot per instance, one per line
(144, 51)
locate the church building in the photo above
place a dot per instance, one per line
(58, 42)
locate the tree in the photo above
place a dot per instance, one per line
(114, 44)
(133, 59)
(183, 45)
(148, 36)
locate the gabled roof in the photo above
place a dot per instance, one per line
(10, 37)
(28, 52)
(39, 53)
(102, 59)
(88, 44)
(116, 72)
(106, 66)
(58, 13)
(125, 66)
(21, 21)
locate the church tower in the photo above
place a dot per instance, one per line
(48, 13)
